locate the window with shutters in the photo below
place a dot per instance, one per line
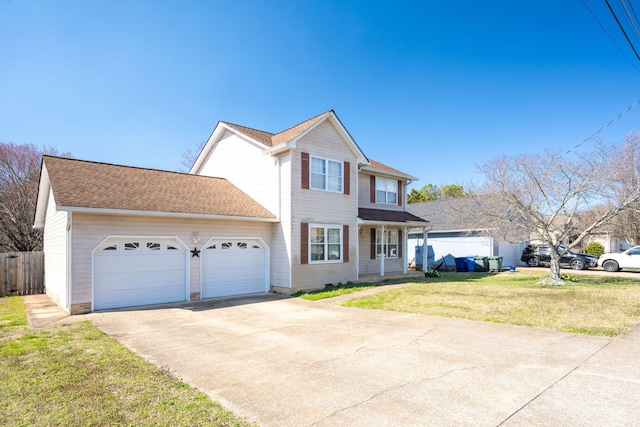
(325, 243)
(386, 191)
(326, 174)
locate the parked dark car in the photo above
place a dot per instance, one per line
(540, 256)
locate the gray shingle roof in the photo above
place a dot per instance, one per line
(381, 215)
(454, 214)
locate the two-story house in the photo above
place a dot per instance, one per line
(263, 212)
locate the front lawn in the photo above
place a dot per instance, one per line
(75, 375)
(593, 305)
(331, 291)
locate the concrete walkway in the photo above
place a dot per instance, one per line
(282, 361)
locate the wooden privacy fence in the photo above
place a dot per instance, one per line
(21, 273)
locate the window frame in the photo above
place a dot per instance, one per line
(325, 243)
(388, 244)
(386, 191)
(325, 174)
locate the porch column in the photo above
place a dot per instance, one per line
(425, 254)
(405, 257)
(383, 251)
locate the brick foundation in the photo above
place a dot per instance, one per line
(82, 308)
(194, 296)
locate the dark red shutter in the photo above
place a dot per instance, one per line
(305, 170)
(304, 243)
(347, 177)
(400, 193)
(373, 243)
(373, 188)
(400, 243)
(345, 243)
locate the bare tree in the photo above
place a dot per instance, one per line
(190, 156)
(19, 177)
(544, 196)
(626, 169)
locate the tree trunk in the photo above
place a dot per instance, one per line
(554, 267)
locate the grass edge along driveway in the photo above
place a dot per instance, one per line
(593, 305)
(75, 375)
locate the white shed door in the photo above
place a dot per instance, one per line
(138, 271)
(233, 267)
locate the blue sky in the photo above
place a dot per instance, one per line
(429, 87)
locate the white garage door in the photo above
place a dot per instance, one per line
(233, 267)
(138, 271)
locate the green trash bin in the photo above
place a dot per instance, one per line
(481, 263)
(495, 263)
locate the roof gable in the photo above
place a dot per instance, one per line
(80, 185)
(277, 142)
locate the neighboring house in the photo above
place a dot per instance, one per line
(608, 238)
(455, 229)
(258, 212)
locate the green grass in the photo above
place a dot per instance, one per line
(331, 291)
(11, 313)
(592, 305)
(75, 375)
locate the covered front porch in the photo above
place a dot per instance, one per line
(382, 241)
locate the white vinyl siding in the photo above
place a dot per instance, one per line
(280, 253)
(370, 266)
(364, 195)
(90, 229)
(322, 207)
(247, 167)
(55, 246)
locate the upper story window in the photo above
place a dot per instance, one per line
(326, 174)
(386, 191)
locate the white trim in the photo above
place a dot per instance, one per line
(43, 198)
(344, 134)
(69, 254)
(392, 223)
(267, 258)
(164, 214)
(386, 181)
(140, 236)
(213, 139)
(384, 243)
(379, 172)
(326, 226)
(326, 174)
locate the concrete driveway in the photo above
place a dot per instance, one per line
(281, 361)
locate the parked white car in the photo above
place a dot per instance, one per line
(627, 260)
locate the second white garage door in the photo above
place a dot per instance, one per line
(234, 267)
